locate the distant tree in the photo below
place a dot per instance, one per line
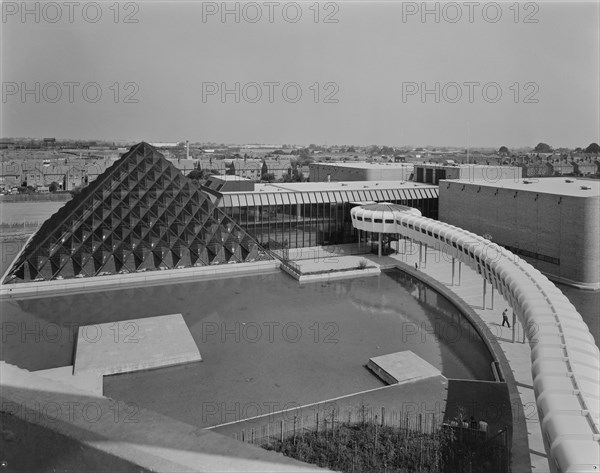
(196, 174)
(351, 149)
(503, 150)
(53, 187)
(230, 170)
(304, 160)
(268, 177)
(201, 175)
(543, 148)
(264, 169)
(76, 190)
(593, 148)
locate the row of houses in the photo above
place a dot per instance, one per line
(561, 168)
(247, 168)
(67, 177)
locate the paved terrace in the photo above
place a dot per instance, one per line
(470, 289)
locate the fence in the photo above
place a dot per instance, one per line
(34, 197)
(369, 439)
(282, 253)
(19, 227)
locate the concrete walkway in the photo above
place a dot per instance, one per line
(470, 289)
(518, 353)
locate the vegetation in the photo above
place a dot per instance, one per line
(593, 148)
(370, 447)
(201, 175)
(362, 264)
(543, 148)
(268, 177)
(76, 190)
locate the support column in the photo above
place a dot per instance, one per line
(380, 240)
(425, 262)
(514, 325)
(453, 261)
(492, 296)
(484, 289)
(420, 252)
(459, 271)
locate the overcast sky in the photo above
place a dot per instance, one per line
(526, 76)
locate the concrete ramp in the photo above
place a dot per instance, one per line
(133, 345)
(401, 367)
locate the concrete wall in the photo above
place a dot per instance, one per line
(568, 231)
(340, 173)
(468, 172)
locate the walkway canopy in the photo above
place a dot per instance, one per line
(379, 218)
(565, 359)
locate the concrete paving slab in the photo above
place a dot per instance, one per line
(133, 345)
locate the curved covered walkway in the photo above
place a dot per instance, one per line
(565, 359)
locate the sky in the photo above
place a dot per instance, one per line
(479, 74)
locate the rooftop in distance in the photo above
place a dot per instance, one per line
(364, 165)
(454, 164)
(337, 186)
(567, 186)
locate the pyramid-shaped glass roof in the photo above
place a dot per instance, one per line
(140, 214)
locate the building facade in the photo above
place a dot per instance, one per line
(341, 172)
(553, 223)
(300, 215)
(432, 173)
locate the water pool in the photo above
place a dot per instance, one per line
(264, 339)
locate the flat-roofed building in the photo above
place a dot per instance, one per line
(431, 173)
(553, 223)
(226, 183)
(362, 171)
(299, 215)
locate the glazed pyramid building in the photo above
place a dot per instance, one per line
(140, 214)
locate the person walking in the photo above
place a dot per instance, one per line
(505, 318)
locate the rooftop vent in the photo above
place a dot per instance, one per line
(569, 180)
(585, 188)
(525, 181)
